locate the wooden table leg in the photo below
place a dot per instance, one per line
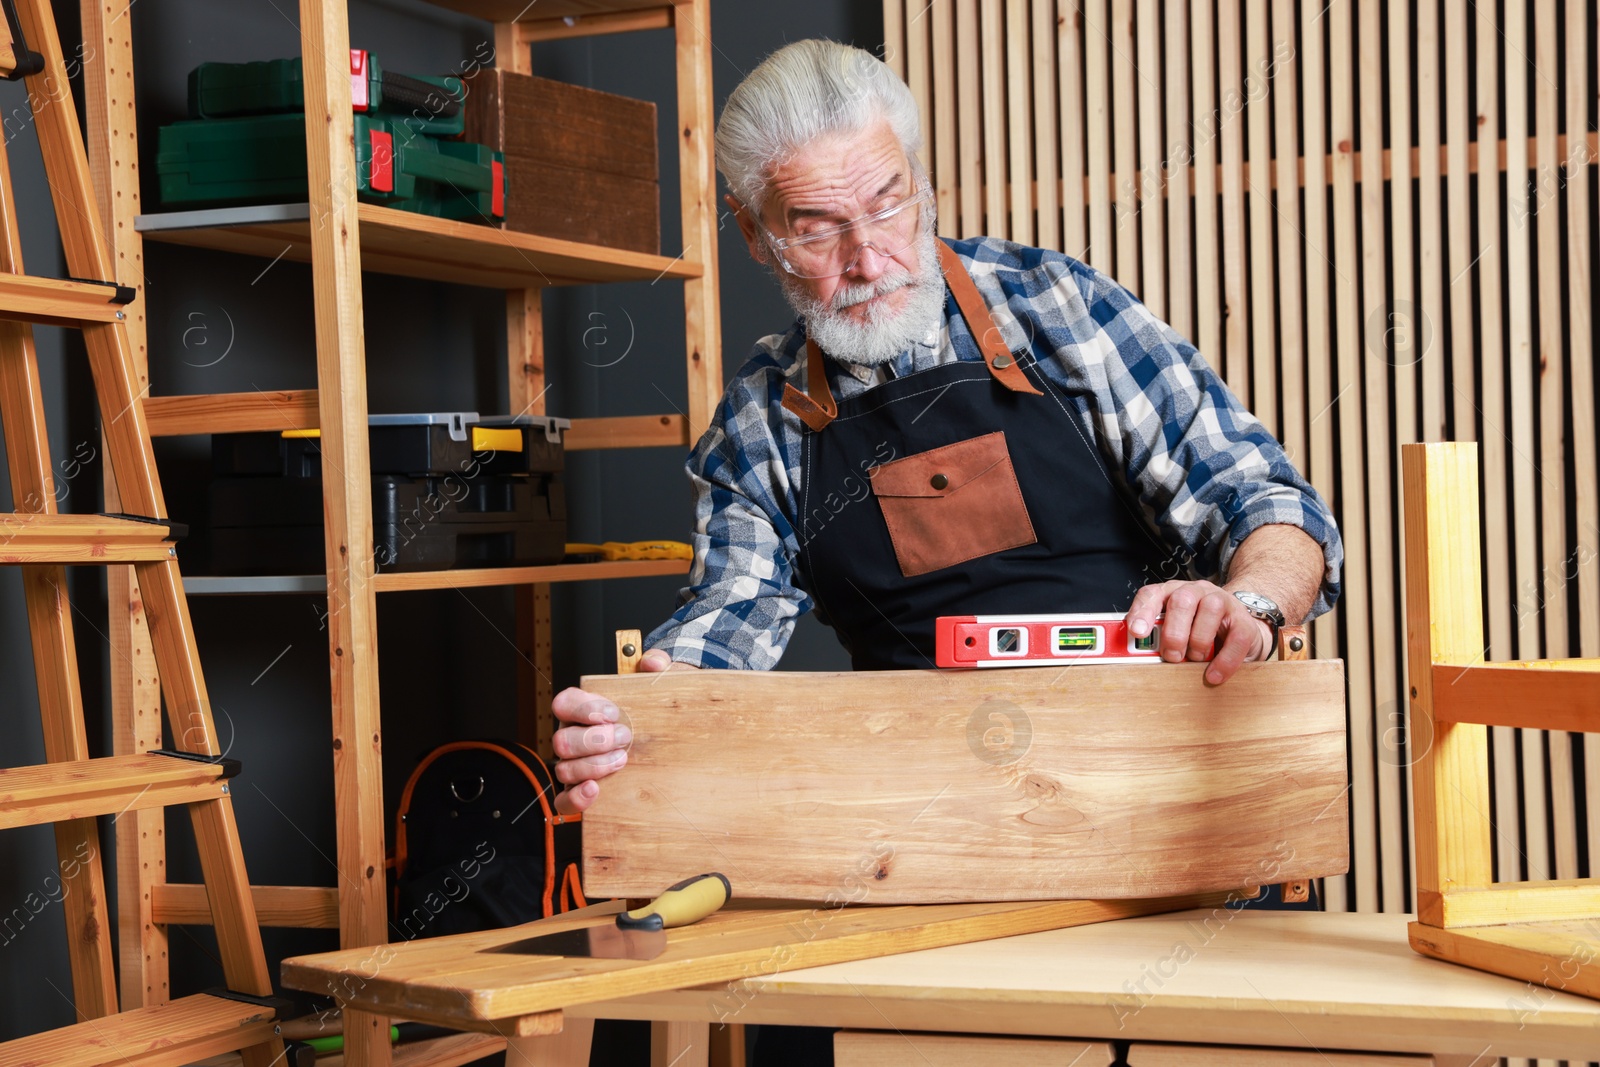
(569, 1048)
(678, 1045)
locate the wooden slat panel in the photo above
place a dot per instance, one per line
(894, 36)
(970, 152)
(1007, 751)
(1524, 475)
(1235, 355)
(992, 41)
(1552, 582)
(1019, 123)
(918, 75)
(1291, 298)
(1353, 609)
(1430, 259)
(945, 171)
(1125, 144)
(1069, 54)
(1580, 274)
(1385, 636)
(1208, 262)
(1097, 95)
(1150, 192)
(1179, 157)
(1045, 155)
(1259, 85)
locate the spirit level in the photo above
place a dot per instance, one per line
(1040, 640)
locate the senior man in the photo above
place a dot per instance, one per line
(971, 427)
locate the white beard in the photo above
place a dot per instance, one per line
(885, 334)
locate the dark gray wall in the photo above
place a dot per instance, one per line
(224, 323)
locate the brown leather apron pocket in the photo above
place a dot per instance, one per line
(951, 504)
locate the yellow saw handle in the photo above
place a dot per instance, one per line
(687, 902)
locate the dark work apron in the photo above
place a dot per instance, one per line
(968, 489)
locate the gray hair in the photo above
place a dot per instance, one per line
(799, 93)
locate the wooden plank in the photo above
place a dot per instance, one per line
(782, 820)
(1376, 312)
(1430, 222)
(1444, 622)
(1550, 901)
(1400, 165)
(337, 260)
(1179, 156)
(1125, 145)
(460, 977)
(1045, 155)
(472, 578)
(1097, 95)
(864, 1048)
(946, 171)
(1530, 951)
(697, 180)
(1319, 394)
(991, 41)
(920, 78)
(1151, 196)
(50, 301)
(1496, 430)
(1019, 123)
(1552, 585)
(1207, 243)
(1459, 130)
(569, 1048)
(1508, 694)
(1354, 605)
(278, 409)
(299, 907)
(1291, 347)
(678, 1044)
(1260, 83)
(1523, 474)
(969, 120)
(1069, 52)
(578, 10)
(1580, 274)
(1235, 247)
(112, 145)
(178, 1032)
(84, 788)
(1350, 983)
(1236, 1056)
(557, 29)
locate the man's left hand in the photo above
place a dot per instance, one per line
(1201, 621)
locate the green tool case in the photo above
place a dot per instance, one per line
(214, 162)
(275, 87)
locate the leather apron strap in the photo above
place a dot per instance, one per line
(816, 406)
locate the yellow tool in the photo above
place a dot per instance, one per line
(614, 550)
(687, 902)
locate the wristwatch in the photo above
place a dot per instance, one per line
(1267, 611)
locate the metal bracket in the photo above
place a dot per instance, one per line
(230, 767)
(121, 294)
(176, 531)
(28, 61)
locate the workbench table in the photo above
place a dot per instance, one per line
(1279, 980)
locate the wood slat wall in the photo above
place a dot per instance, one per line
(1377, 222)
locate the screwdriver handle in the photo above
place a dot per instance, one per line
(687, 902)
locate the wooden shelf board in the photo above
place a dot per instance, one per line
(507, 10)
(416, 246)
(559, 572)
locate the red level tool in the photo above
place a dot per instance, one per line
(1040, 640)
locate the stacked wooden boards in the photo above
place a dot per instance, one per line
(896, 787)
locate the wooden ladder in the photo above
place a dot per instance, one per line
(72, 790)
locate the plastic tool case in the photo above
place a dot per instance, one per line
(448, 490)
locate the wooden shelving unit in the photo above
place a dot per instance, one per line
(342, 239)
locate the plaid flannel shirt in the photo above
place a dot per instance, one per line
(1205, 471)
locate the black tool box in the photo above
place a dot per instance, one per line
(448, 490)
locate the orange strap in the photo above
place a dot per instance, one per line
(816, 408)
(996, 356)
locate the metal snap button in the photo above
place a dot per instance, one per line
(939, 481)
(1002, 362)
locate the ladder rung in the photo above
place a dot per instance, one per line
(177, 1032)
(57, 792)
(55, 302)
(35, 538)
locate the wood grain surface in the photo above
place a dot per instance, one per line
(1027, 784)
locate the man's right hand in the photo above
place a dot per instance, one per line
(595, 741)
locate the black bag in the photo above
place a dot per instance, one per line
(479, 845)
